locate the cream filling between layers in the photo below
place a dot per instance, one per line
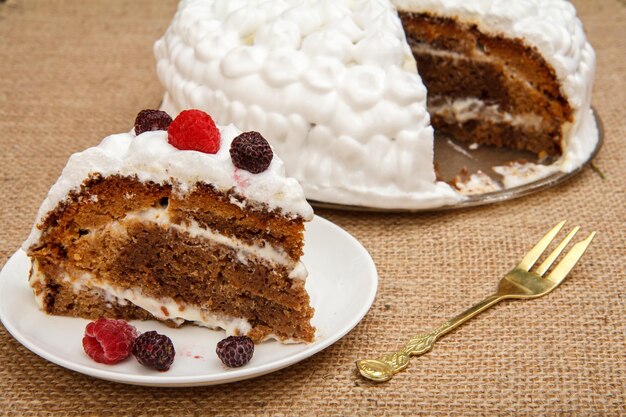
(471, 108)
(244, 250)
(477, 56)
(162, 308)
(464, 109)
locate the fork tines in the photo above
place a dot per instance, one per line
(566, 264)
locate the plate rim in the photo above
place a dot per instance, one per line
(493, 197)
(200, 380)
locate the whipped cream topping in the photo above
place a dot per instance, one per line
(150, 157)
(331, 84)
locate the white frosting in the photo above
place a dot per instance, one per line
(332, 84)
(150, 157)
(516, 174)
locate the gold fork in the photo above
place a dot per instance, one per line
(520, 282)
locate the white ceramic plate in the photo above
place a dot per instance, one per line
(342, 283)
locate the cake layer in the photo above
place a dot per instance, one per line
(457, 62)
(519, 30)
(175, 277)
(57, 295)
(226, 213)
(67, 297)
(473, 121)
(485, 77)
(509, 55)
(100, 201)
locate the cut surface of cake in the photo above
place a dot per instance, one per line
(137, 228)
(506, 73)
(349, 91)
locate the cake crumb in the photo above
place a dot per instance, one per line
(478, 183)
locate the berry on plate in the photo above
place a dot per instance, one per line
(194, 130)
(235, 351)
(154, 350)
(109, 341)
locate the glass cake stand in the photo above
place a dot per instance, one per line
(451, 157)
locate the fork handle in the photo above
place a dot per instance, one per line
(453, 323)
(384, 367)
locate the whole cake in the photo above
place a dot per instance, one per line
(335, 86)
(181, 222)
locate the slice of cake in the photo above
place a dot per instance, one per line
(186, 223)
(334, 85)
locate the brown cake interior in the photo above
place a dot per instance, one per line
(487, 89)
(92, 232)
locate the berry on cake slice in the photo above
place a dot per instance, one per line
(194, 130)
(148, 120)
(250, 151)
(154, 350)
(235, 351)
(109, 341)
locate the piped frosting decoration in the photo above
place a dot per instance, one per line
(332, 84)
(334, 87)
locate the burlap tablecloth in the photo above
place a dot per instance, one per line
(73, 72)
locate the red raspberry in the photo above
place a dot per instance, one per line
(194, 130)
(250, 151)
(109, 341)
(154, 350)
(148, 120)
(235, 351)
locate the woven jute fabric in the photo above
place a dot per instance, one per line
(73, 72)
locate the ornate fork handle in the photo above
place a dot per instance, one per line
(384, 367)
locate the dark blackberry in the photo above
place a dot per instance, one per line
(235, 351)
(154, 351)
(250, 151)
(148, 120)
